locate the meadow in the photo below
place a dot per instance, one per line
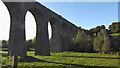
(64, 60)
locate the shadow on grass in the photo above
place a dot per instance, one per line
(92, 57)
(32, 59)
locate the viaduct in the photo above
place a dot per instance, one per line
(62, 30)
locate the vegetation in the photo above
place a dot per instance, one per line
(115, 27)
(65, 59)
(30, 44)
(82, 42)
(4, 43)
(101, 42)
(97, 29)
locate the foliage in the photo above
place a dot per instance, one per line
(82, 42)
(31, 43)
(97, 29)
(101, 42)
(102, 27)
(115, 41)
(115, 27)
(4, 43)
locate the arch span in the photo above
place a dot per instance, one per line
(42, 46)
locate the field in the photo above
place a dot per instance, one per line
(64, 60)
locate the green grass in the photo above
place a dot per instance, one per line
(115, 34)
(65, 59)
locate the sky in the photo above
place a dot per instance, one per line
(84, 14)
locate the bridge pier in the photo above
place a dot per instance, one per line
(56, 41)
(42, 46)
(17, 45)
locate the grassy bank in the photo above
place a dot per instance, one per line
(65, 59)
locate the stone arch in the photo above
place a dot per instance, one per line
(55, 42)
(42, 44)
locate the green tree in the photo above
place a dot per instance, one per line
(97, 42)
(102, 27)
(106, 45)
(96, 29)
(4, 43)
(101, 42)
(112, 27)
(29, 44)
(115, 27)
(34, 40)
(82, 42)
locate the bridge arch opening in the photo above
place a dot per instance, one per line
(4, 22)
(49, 30)
(30, 31)
(41, 46)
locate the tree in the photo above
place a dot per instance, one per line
(112, 27)
(101, 42)
(96, 29)
(115, 27)
(102, 27)
(4, 43)
(82, 42)
(34, 40)
(97, 42)
(29, 44)
(106, 45)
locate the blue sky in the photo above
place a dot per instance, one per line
(86, 14)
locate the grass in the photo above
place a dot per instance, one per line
(115, 34)
(65, 59)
